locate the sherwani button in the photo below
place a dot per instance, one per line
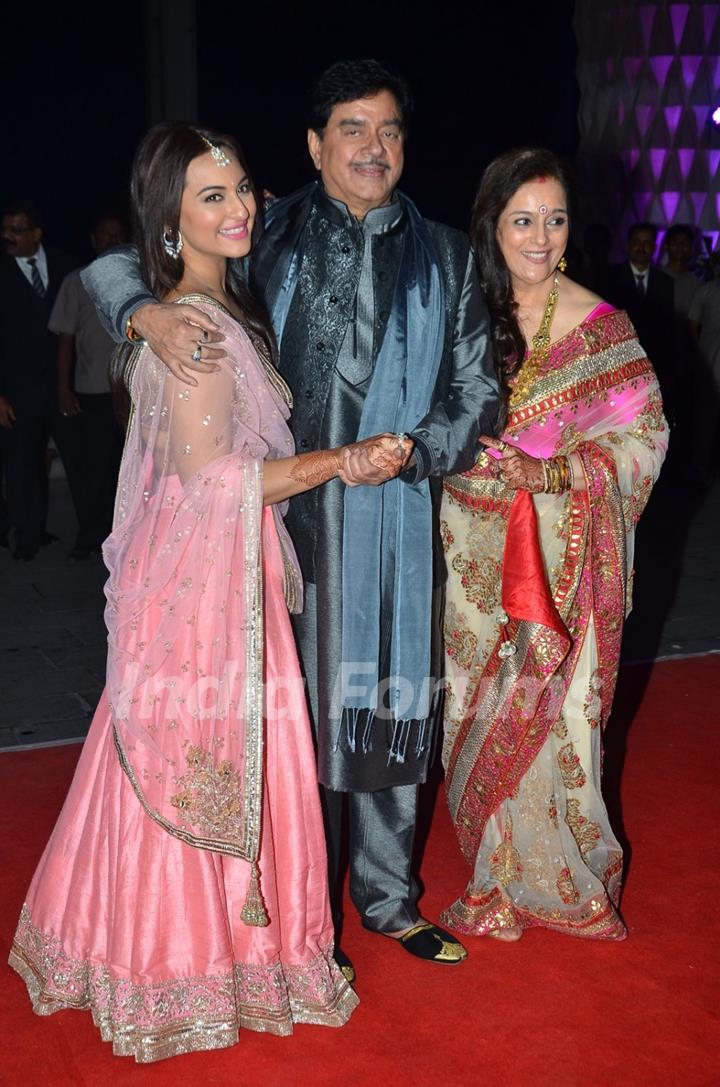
(333, 300)
(320, 346)
(303, 443)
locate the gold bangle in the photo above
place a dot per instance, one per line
(557, 473)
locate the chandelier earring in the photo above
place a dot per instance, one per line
(561, 264)
(172, 246)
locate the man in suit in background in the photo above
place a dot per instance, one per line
(85, 398)
(646, 293)
(30, 276)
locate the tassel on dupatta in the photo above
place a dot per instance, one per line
(254, 912)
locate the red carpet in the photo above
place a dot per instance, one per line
(550, 1011)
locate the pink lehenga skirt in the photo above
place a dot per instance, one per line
(145, 931)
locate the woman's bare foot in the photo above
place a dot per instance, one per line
(507, 935)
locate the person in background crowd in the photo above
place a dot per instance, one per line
(30, 278)
(705, 322)
(646, 293)
(679, 247)
(85, 400)
(539, 547)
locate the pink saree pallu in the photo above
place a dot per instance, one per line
(183, 893)
(538, 590)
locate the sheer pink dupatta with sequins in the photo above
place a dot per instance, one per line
(184, 598)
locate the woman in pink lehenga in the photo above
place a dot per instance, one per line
(539, 546)
(183, 892)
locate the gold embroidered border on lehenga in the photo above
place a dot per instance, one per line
(180, 1015)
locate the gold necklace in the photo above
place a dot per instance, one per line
(539, 351)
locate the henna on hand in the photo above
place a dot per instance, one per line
(517, 468)
(522, 472)
(313, 469)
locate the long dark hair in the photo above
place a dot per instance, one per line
(156, 189)
(499, 183)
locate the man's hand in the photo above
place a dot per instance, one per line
(67, 401)
(175, 332)
(7, 413)
(375, 460)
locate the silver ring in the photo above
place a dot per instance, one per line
(197, 354)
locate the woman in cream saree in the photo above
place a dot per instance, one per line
(539, 586)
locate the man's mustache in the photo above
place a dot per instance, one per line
(373, 162)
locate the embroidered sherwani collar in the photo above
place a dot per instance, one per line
(377, 221)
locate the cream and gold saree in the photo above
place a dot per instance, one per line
(538, 588)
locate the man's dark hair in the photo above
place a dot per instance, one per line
(347, 80)
(679, 230)
(28, 208)
(648, 228)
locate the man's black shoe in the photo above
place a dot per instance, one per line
(346, 967)
(432, 943)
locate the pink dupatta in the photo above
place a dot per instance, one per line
(185, 597)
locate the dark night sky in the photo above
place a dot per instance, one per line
(485, 78)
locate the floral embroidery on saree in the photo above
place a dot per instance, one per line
(595, 396)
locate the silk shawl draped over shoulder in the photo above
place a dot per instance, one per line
(560, 559)
(184, 597)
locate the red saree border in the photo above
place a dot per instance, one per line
(607, 550)
(478, 915)
(592, 580)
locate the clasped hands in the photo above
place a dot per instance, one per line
(375, 460)
(173, 332)
(518, 469)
